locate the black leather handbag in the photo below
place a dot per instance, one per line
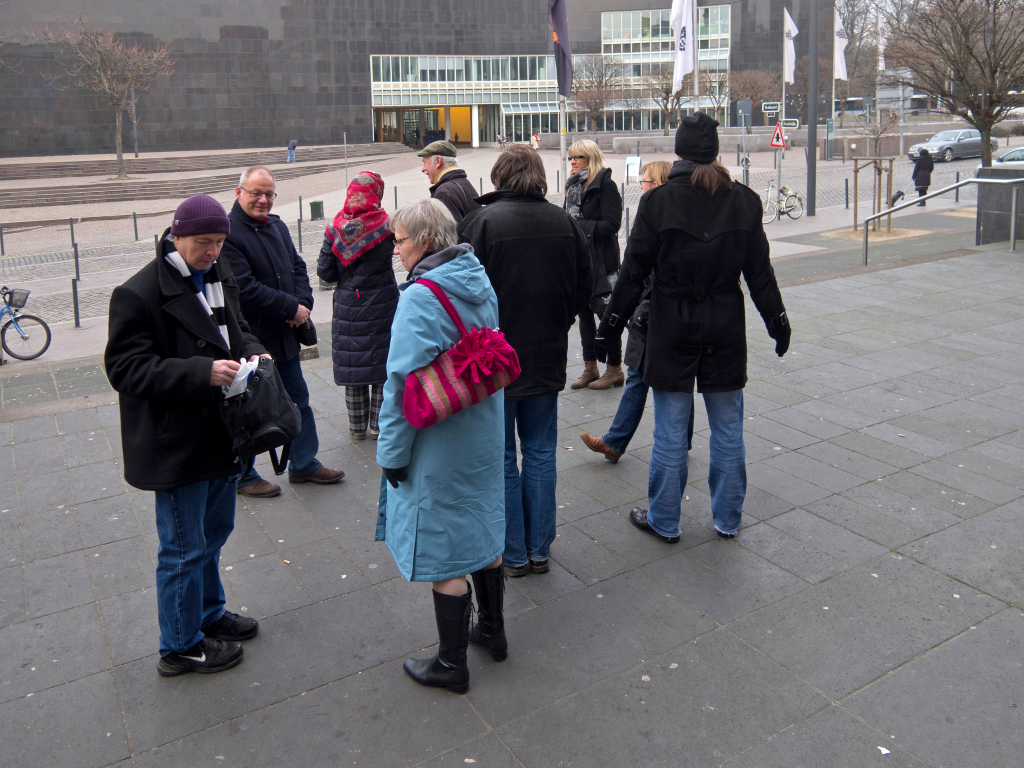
(263, 417)
(306, 334)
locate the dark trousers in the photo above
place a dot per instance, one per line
(921, 192)
(588, 331)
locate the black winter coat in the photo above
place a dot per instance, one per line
(364, 306)
(538, 262)
(636, 342)
(697, 246)
(923, 167)
(600, 219)
(456, 191)
(160, 352)
(272, 279)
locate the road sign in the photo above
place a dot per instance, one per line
(745, 163)
(771, 107)
(778, 142)
(791, 123)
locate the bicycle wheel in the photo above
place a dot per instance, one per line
(794, 207)
(769, 211)
(33, 340)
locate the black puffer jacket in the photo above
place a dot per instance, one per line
(697, 246)
(600, 219)
(364, 306)
(923, 167)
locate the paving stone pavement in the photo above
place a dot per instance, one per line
(869, 612)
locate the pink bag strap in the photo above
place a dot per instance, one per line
(446, 303)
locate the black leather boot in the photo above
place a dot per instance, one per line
(489, 628)
(447, 668)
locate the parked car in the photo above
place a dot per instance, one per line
(1012, 159)
(950, 145)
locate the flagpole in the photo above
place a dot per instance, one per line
(563, 126)
(695, 47)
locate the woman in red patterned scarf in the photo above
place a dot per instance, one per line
(356, 255)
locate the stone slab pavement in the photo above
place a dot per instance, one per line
(869, 612)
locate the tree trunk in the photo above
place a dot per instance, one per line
(118, 144)
(986, 147)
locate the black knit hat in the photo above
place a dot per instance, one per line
(200, 215)
(697, 138)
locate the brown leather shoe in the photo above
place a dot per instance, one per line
(322, 476)
(590, 373)
(261, 489)
(597, 445)
(613, 377)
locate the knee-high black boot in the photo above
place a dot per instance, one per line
(489, 628)
(447, 668)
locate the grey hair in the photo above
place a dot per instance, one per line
(255, 169)
(427, 222)
(448, 162)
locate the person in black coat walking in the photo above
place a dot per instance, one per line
(356, 255)
(176, 335)
(448, 182)
(276, 298)
(592, 198)
(538, 262)
(698, 234)
(922, 175)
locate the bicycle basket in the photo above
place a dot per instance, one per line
(786, 191)
(17, 298)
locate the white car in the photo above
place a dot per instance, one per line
(1012, 159)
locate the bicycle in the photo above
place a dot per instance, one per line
(31, 336)
(792, 205)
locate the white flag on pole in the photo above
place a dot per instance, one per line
(789, 49)
(682, 26)
(839, 51)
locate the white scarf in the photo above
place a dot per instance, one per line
(211, 297)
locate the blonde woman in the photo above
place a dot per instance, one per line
(592, 198)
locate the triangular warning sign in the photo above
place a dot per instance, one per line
(777, 140)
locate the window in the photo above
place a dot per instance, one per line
(375, 61)
(533, 67)
(515, 68)
(487, 69)
(504, 69)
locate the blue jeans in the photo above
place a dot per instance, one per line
(530, 496)
(302, 459)
(193, 523)
(727, 476)
(630, 411)
(291, 156)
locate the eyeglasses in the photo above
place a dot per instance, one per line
(646, 181)
(271, 196)
(400, 240)
(577, 157)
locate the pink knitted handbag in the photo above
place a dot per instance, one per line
(479, 364)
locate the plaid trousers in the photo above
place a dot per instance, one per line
(364, 407)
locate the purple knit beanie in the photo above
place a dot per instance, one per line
(200, 215)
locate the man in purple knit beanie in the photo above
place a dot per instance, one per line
(175, 338)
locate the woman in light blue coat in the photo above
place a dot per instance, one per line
(443, 516)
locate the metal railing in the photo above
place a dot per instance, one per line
(944, 190)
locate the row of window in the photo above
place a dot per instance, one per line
(387, 99)
(636, 26)
(455, 69)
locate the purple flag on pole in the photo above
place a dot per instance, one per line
(559, 20)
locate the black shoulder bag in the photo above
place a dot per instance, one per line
(262, 417)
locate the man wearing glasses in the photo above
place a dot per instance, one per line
(276, 299)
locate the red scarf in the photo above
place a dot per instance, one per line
(361, 224)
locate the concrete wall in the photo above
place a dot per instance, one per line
(993, 222)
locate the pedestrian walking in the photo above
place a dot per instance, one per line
(442, 510)
(592, 198)
(275, 296)
(356, 255)
(922, 175)
(291, 151)
(448, 182)
(538, 261)
(614, 443)
(176, 335)
(698, 233)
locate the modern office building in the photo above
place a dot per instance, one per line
(259, 74)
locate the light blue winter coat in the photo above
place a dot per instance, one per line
(448, 518)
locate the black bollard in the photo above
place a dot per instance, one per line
(958, 188)
(74, 299)
(2, 250)
(847, 192)
(72, 223)
(78, 272)
(300, 235)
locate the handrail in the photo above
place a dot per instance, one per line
(944, 190)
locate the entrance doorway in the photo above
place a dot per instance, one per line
(462, 126)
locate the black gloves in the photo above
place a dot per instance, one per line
(780, 330)
(608, 339)
(395, 476)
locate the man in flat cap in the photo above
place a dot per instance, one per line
(449, 183)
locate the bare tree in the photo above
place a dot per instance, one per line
(861, 51)
(714, 89)
(801, 77)
(968, 54)
(881, 123)
(756, 86)
(596, 81)
(633, 102)
(96, 60)
(659, 85)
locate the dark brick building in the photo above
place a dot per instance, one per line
(255, 73)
